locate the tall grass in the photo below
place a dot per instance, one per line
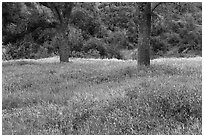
(102, 97)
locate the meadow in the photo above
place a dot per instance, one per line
(102, 97)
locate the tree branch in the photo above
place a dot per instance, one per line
(68, 9)
(57, 12)
(157, 15)
(53, 8)
(46, 4)
(155, 6)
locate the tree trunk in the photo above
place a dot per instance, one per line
(64, 51)
(144, 34)
(64, 47)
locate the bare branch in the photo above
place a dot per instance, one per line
(46, 4)
(157, 15)
(156, 5)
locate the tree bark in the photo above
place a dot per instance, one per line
(64, 19)
(64, 50)
(64, 47)
(144, 34)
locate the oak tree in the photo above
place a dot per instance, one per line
(62, 12)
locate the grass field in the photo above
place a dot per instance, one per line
(93, 96)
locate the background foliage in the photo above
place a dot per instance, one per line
(103, 30)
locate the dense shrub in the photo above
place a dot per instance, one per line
(158, 45)
(134, 54)
(5, 53)
(118, 39)
(126, 54)
(78, 54)
(95, 44)
(102, 32)
(92, 53)
(113, 52)
(75, 39)
(21, 49)
(42, 53)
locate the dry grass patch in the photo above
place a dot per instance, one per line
(93, 96)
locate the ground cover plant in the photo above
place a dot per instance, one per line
(102, 96)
